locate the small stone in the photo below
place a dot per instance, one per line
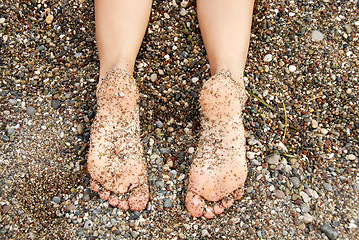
(49, 19)
(251, 231)
(348, 28)
(183, 12)
(272, 159)
(324, 131)
(250, 155)
(279, 194)
(159, 124)
(167, 203)
(153, 77)
(329, 231)
(305, 208)
(317, 36)
(80, 128)
(10, 131)
(12, 101)
(205, 233)
(292, 68)
(2, 20)
(56, 199)
(308, 218)
(295, 181)
(301, 226)
(268, 58)
(55, 104)
(305, 196)
(328, 187)
(5, 209)
(88, 224)
(191, 150)
(350, 157)
(30, 111)
(166, 15)
(314, 123)
(249, 189)
(5, 138)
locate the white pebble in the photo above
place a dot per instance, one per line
(153, 77)
(292, 68)
(351, 157)
(268, 58)
(349, 91)
(250, 155)
(2, 20)
(308, 218)
(191, 150)
(183, 12)
(324, 131)
(195, 79)
(305, 196)
(314, 123)
(166, 15)
(317, 36)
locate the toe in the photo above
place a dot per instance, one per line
(218, 208)
(238, 193)
(105, 195)
(227, 202)
(194, 204)
(113, 200)
(138, 198)
(95, 187)
(123, 205)
(208, 213)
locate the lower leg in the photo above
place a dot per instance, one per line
(120, 27)
(219, 168)
(225, 28)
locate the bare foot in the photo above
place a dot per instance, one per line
(115, 159)
(219, 168)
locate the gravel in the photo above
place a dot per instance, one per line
(303, 165)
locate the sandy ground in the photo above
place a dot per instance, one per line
(301, 120)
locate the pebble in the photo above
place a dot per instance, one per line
(249, 189)
(49, 19)
(314, 123)
(279, 194)
(350, 157)
(56, 199)
(5, 138)
(153, 77)
(12, 101)
(30, 111)
(80, 128)
(55, 104)
(328, 187)
(305, 196)
(272, 159)
(2, 20)
(305, 208)
(191, 150)
(251, 231)
(159, 124)
(295, 181)
(250, 155)
(348, 28)
(317, 36)
(183, 12)
(268, 58)
(167, 203)
(292, 68)
(88, 224)
(308, 218)
(329, 231)
(301, 226)
(5, 209)
(205, 233)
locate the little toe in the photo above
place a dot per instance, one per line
(194, 204)
(218, 208)
(139, 197)
(227, 202)
(238, 193)
(95, 187)
(208, 213)
(105, 195)
(113, 200)
(123, 204)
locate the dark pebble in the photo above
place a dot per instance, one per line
(56, 199)
(55, 104)
(30, 111)
(5, 138)
(329, 231)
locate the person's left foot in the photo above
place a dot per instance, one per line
(219, 168)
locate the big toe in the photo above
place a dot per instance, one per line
(195, 204)
(139, 197)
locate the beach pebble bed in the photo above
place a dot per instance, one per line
(301, 120)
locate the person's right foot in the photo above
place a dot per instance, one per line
(115, 159)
